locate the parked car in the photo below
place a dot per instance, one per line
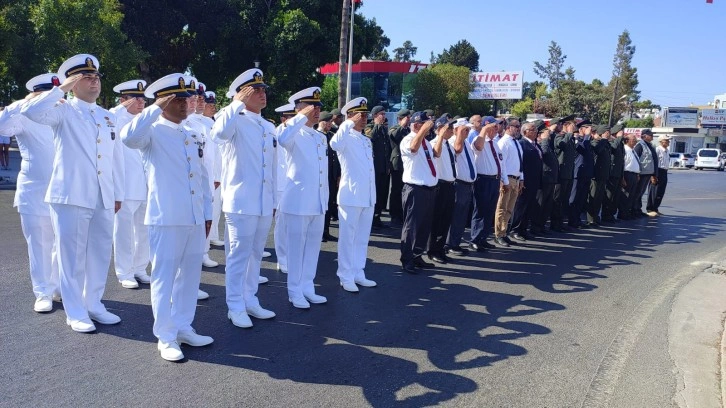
(682, 160)
(709, 158)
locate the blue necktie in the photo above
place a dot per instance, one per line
(471, 166)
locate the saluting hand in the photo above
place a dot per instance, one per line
(358, 116)
(70, 82)
(164, 101)
(309, 111)
(427, 125)
(244, 94)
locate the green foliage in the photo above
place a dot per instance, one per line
(329, 92)
(552, 70)
(645, 104)
(522, 108)
(443, 88)
(462, 54)
(639, 123)
(405, 53)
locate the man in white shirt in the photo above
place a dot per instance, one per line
(419, 182)
(178, 213)
(286, 112)
(490, 179)
(247, 142)
(82, 210)
(356, 196)
(631, 176)
(657, 190)
(130, 235)
(512, 166)
(305, 198)
(463, 186)
(35, 142)
(445, 194)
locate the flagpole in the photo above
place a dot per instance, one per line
(350, 51)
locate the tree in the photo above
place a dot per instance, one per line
(645, 104)
(552, 71)
(639, 123)
(329, 93)
(405, 53)
(624, 80)
(462, 54)
(443, 88)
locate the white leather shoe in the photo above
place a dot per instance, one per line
(300, 303)
(282, 268)
(260, 312)
(209, 263)
(104, 317)
(201, 295)
(266, 254)
(315, 299)
(129, 283)
(57, 297)
(366, 283)
(349, 287)
(263, 279)
(193, 339)
(216, 242)
(43, 304)
(143, 278)
(170, 351)
(239, 319)
(81, 326)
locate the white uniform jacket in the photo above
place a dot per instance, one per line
(249, 170)
(355, 153)
(35, 142)
(281, 160)
(135, 177)
(179, 191)
(88, 152)
(306, 188)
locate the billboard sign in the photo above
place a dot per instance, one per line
(497, 85)
(713, 118)
(682, 117)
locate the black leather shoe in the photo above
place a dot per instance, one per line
(419, 262)
(456, 251)
(508, 241)
(477, 247)
(437, 259)
(518, 237)
(501, 241)
(409, 268)
(486, 244)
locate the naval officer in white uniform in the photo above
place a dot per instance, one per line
(286, 112)
(130, 235)
(86, 187)
(356, 195)
(248, 143)
(35, 142)
(179, 211)
(305, 198)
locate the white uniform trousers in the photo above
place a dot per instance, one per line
(280, 247)
(216, 214)
(303, 235)
(83, 239)
(130, 240)
(176, 253)
(353, 236)
(246, 237)
(38, 232)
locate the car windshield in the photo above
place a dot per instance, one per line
(708, 153)
(674, 154)
(688, 156)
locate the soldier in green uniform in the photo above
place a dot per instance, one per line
(600, 142)
(395, 135)
(564, 146)
(612, 190)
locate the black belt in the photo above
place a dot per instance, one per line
(446, 181)
(468, 183)
(492, 176)
(632, 172)
(419, 186)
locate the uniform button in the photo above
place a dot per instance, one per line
(264, 181)
(192, 191)
(264, 165)
(98, 140)
(186, 142)
(321, 172)
(191, 175)
(189, 158)
(264, 150)
(99, 156)
(320, 158)
(321, 185)
(99, 172)
(98, 124)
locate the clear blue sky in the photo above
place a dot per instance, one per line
(680, 44)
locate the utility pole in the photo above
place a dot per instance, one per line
(343, 56)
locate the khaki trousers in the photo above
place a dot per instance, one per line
(505, 205)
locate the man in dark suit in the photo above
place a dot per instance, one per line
(584, 169)
(563, 132)
(601, 148)
(550, 171)
(395, 135)
(612, 190)
(377, 131)
(526, 208)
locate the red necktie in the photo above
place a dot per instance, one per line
(496, 159)
(428, 158)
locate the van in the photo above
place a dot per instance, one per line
(709, 159)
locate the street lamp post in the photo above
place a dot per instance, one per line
(350, 52)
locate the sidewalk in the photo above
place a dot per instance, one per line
(9, 177)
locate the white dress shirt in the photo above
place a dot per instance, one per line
(88, 152)
(463, 172)
(631, 160)
(306, 188)
(357, 179)
(281, 160)
(663, 157)
(416, 168)
(134, 174)
(486, 163)
(444, 169)
(179, 191)
(249, 168)
(35, 142)
(512, 152)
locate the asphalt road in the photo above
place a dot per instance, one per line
(575, 319)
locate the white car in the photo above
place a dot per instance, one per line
(709, 158)
(682, 160)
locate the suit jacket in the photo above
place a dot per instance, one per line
(531, 165)
(381, 146)
(603, 160)
(587, 167)
(617, 155)
(395, 135)
(550, 165)
(565, 150)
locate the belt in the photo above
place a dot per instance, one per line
(514, 177)
(489, 176)
(419, 186)
(632, 172)
(446, 181)
(468, 183)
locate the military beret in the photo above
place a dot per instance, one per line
(376, 110)
(615, 129)
(335, 112)
(584, 123)
(325, 116)
(429, 112)
(403, 113)
(647, 132)
(602, 129)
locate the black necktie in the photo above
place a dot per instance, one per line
(451, 157)
(519, 154)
